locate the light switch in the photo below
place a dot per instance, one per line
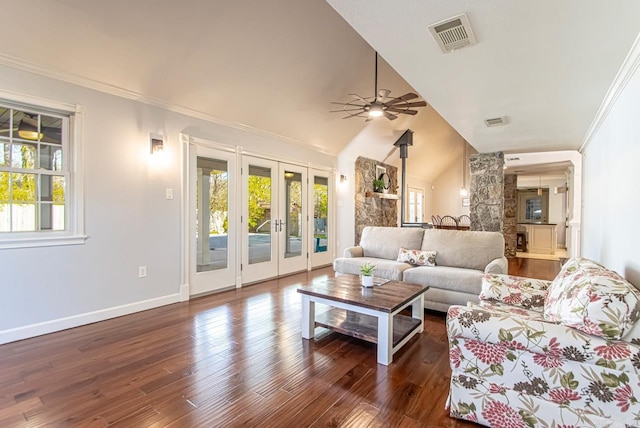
(169, 193)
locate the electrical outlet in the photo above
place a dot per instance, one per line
(142, 271)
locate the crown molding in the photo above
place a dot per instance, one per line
(21, 64)
(625, 73)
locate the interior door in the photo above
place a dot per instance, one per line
(320, 225)
(259, 215)
(292, 219)
(213, 219)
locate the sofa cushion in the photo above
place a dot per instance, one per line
(593, 299)
(388, 269)
(464, 249)
(449, 278)
(417, 257)
(385, 242)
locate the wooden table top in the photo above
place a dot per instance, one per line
(347, 289)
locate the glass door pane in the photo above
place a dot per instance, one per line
(260, 219)
(320, 214)
(260, 196)
(212, 220)
(292, 219)
(212, 214)
(293, 215)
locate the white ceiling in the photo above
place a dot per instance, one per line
(545, 64)
(276, 65)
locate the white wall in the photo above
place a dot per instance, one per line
(611, 175)
(446, 191)
(128, 220)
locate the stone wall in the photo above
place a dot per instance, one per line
(487, 191)
(374, 211)
(510, 214)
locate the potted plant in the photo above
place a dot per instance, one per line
(378, 185)
(366, 274)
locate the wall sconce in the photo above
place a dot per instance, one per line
(157, 143)
(343, 178)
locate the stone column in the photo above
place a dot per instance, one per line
(510, 214)
(487, 191)
(373, 211)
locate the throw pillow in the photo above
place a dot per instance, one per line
(417, 257)
(590, 298)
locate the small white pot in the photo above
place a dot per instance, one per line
(367, 281)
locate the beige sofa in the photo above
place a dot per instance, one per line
(462, 258)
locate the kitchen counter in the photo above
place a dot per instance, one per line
(541, 237)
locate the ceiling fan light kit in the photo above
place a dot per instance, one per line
(379, 105)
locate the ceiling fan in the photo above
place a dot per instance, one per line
(380, 104)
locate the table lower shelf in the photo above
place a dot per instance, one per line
(364, 326)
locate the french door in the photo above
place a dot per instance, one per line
(274, 219)
(320, 203)
(213, 222)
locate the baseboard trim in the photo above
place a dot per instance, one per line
(33, 330)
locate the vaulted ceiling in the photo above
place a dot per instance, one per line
(276, 65)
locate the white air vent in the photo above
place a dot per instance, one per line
(453, 33)
(496, 121)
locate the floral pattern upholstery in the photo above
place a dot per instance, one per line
(417, 257)
(587, 296)
(512, 368)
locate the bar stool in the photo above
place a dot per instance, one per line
(521, 241)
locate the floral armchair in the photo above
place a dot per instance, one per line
(538, 353)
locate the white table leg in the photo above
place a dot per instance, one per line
(308, 317)
(417, 311)
(385, 338)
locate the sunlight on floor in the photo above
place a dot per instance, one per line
(560, 253)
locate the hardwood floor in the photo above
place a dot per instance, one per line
(230, 359)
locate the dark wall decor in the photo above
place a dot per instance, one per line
(372, 210)
(487, 191)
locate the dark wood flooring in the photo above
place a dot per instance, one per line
(231, 359)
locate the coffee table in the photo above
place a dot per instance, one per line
(371, 314)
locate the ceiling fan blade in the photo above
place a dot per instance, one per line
(405, 97)
(402, 111)
(390, 116)
(345, 110)
(359, 97)
(414, 104)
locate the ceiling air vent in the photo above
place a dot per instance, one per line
(496, 121)
(453, 33)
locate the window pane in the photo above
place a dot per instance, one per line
(23, 156)
(51, 129)
(320, 213)
(23, 187)
(259, 216)
(23, 217)
(5, 154)
(4, 187)
(58, 190)
(28, 126)
(51, 216)
(5, 122)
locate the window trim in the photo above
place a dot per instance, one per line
(74, 209)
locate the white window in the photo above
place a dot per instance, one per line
(40, 183)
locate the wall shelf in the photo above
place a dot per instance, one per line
(381, 195)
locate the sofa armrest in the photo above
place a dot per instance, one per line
(499, 265)
(527, 293)
(353, 252)
(554, 343)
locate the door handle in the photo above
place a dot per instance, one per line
(275, 225)
(281, 223)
